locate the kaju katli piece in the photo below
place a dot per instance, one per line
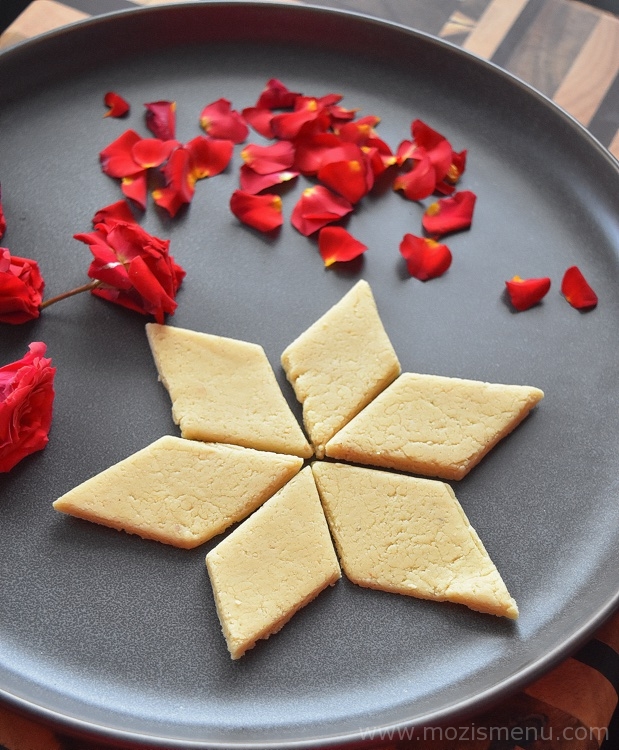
(407, 535)
(224, 390)
(340, 363)
(433, 425)
(180, 492)
(272, 565)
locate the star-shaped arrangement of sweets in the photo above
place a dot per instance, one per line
(372, 500)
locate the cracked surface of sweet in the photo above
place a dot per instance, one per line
(273, 564)
(180, 492)
(339, 364)
(224, 390)
(408, 535)
(433, 425)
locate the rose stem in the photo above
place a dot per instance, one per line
(78, 290)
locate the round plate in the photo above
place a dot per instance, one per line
(116, 637)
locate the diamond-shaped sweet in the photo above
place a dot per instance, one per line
(180, 492)
(274, 563)
(224, 390)
(408, 535)
(433, 425)
(339, 364)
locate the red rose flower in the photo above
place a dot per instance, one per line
(26, 401)
(21, 288)
(134, 267)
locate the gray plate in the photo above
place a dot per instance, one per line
(117, 637)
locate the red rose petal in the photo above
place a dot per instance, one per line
(276, 95)
(117, 105)
(116, 158)
(119, 211)
(251, 182)
(289, 125)
(209, 156)
(351, 179)
(179, 188)
(576, 290)
(161, 119)
(316, 149)
(150, 152)
(21, 288)
(419, 182)
(262, 212)
(434, 145)
(259, 119)
(26, 405)
(268, 159)
(316, 208)
(524, 293)
(425, 258)
(450, 214)
(336, 245)
(219, 120)
(135, 187)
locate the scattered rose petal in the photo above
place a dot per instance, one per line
(432, 155)
(180, 182)
(268, 159)
(314, 150)
(289, 125)
(119, 211)
(419, 182)
(117, 160)
(276, 95)
(425, 258)
(26, 405)
(359, 131)
(378, 155)
(117, 105)
(577, 291)
(251, 182)
(135, 187)
(259, 119)
(456, 168)
(450, 214)
(524, 293)
(161, 119)
(219, 120)
(262, 212)
(336, 245)
(350, 179)
(21, 288)
(340, 116)
(135, 268)
(151, 152)
(209, 156)
(434, 145)
(328, 101)
(316, 208)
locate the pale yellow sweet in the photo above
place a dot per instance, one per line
(274, 563)
(408, 535)
(433, 425)
(180, 492)
(224, 390)
(339, 364)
